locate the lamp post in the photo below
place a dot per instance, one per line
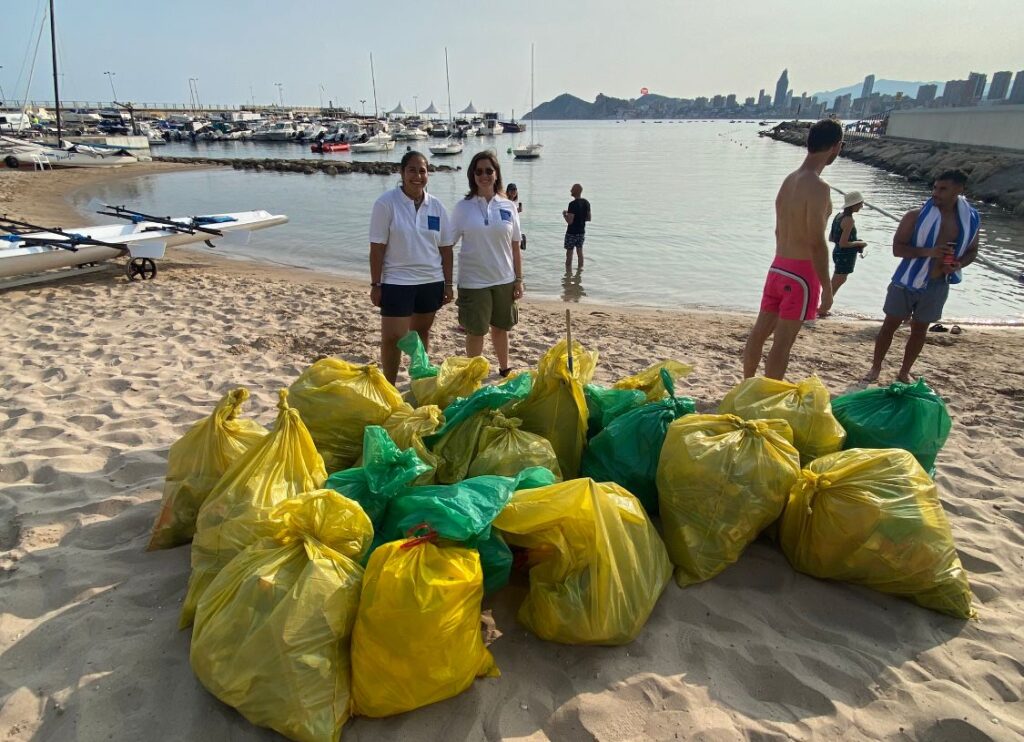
(363, 101)
(280, 93)
(110, 76)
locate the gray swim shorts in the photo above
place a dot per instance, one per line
(923, 305)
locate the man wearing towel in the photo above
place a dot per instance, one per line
(798, 276)
(934, 242)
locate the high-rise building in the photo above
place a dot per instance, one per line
(869, 87)
(749, 102)
(760, 99)
(767, 102)
(1017, 91)
(717, 102)
(730, 100)
(780, 89)
(926, 94)
(975, 88)
(953, 92)
(842, 106)
(1000, 85)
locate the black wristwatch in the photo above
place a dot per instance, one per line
(375, 285)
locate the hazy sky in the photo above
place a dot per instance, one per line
(680, 48)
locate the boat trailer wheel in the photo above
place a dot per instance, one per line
(11, 161)
(140, 269)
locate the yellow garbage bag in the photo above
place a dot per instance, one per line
(283, 465)
(806, 406)
(505, 450)
(417, 635)
(556, 408)
(272, 632)
(597, 566)
(408, 427)
(649, 380)
(337, 400)
(196, 461)
(458, 377)
(721, 481)
(873, 517)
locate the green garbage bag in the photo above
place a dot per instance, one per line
(462, 513)
(908, 416)
(386, 469)
(455, 443)
(604, 405)
(458, 376)
(627, 451)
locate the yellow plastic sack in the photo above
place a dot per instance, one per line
(806, 406)
(597, 566)
(649, 380)
(283, 465)
(196, 461)
(873, 517)
(505, 450)
(556, 408)
(408, 427)
(458, 377)
(417, 636)
(337, 400)
(721, 481)
(272, 631)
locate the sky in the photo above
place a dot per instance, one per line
(238, 50)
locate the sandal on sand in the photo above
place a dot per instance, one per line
(955, 330)
(937, 328)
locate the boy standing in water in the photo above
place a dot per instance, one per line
(576, 217)
(798, 283)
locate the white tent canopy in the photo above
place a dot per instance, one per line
(432, 109)
(398, 109)
(469, 109)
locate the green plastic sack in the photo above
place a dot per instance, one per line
(627, 451)
(873, 517)
(505, 450)
(462, 513)
(458, 376)
(908, 416)
(283, 465)
(196, 462)
(597, 566)
(408, 427)
(455, 443)
(272, 631)
(385, 471)
(337, 400)
(804, 405)
(556, 408)
(649, 380)
(604, 405)
(721, 481)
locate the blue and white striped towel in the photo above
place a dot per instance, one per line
(912, 273)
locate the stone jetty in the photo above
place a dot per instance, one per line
(306, 167)
(995, 176)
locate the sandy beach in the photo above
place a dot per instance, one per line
(101, 375)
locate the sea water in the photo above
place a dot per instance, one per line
(683, 214)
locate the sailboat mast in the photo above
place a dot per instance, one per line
(448, 83)
(373, 81)
(533, 116)
(56, 88)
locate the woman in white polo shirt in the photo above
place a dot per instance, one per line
(410, 260)
(490, 263)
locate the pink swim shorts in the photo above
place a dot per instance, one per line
(792, 289)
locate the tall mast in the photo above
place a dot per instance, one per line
(56, 88)
(533, 115)
(448, 82)
(373, 80)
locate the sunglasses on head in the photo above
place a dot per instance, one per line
(484, 171)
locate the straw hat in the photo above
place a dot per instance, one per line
(852, 199)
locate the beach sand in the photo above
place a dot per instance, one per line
(100, 376)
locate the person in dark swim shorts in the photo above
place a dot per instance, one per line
(844, 236)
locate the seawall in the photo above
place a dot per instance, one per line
(308, 167)
(995, 176)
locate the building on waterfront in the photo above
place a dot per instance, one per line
(842, 106)
(761, 105)
(1017, 91)
(953, 92)
(975, 88)
(780, 90)
(749, 102)
(718, 101)
(869, 87)
(730, 100)
(926, 94)
(1000, 85)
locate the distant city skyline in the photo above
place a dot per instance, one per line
(240, 54)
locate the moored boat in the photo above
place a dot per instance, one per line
(322, 147)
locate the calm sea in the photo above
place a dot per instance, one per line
(683, 214)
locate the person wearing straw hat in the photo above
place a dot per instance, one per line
(844, 236)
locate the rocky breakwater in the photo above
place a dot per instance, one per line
(996, 177)
(306, 167)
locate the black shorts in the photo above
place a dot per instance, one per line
(574, 240)
(845, 259)
(397, 300)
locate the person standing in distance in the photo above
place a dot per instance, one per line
(934, 242)
(798, 285)
(490, 261)
(512, 194)
(410, 260)
(844, 236)
(576, 216)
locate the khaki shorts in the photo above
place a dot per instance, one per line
(494, 306)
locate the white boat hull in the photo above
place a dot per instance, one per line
(372, 147)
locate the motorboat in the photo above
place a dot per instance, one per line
(447, 147)
(326, 146)
(377, 143)
(275, 131)
(18, 153)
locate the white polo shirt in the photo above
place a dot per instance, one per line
(487, 230)
(412, 236)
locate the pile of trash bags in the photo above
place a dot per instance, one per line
(341, 560)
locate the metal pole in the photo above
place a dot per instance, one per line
(373, 81)
(321, 95)
(2, 96)
(110, 76)
(280, 93)
(56, 88)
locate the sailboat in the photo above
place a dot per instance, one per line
(530, 151)
(381, 141)
(449, 146)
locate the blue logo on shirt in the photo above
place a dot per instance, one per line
(434, 223)
(506, 215)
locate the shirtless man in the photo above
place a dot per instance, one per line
(932, 260)
(799, 274)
